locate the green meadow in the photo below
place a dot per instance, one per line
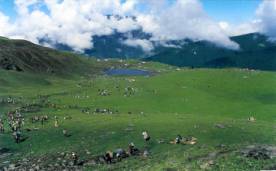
(189, 102)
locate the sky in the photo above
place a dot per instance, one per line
(75, 22)
(234, 11)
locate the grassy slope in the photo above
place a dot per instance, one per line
(187, 102)
(25, 56)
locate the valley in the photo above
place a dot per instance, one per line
(102, 113)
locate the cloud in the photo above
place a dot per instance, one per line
(23, 5)
(187, 19)
(75, 22)
(5, 27)
(146, 45)
(123, 24)
(241, 29)
(264, 22)
(266, 13)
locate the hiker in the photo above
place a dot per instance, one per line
(178, 139)
(22, 122)
(132, 150)
(10, 123)
(2, 126)
(108, 157)
(18, 114)
(56, 122)
(43, 119)
(34, 119)
(18, 123)
(75, 158)
(251, 119)
(120, 153)
(129, 91)
(146, 136)
(11, 116)
(17, 136)
(14, 126)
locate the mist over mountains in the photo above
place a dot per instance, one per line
(256, 51)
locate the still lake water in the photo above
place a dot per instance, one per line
(127, 72)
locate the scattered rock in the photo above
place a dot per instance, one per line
(37, 167)
(5, 155)
(207, 165)
(160, 141)
(6, 162)
(221, 126)
(25, 160)
(90, 163)
(12, 166)
(146, 153)
(129, 129)
(87, 152)
(189, 140)
(260, 152)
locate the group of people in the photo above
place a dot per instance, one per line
(129, 91)
(115, 156)
(15, 122)
(104, 92)
(8, 100)
(187, 140)
(119, 154)
(110, 157)
(40, 119)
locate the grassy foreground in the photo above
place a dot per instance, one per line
(189, 102)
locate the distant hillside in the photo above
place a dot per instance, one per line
(21, 55)
(256, 53)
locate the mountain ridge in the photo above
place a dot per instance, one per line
(21, 55)
(256, 52)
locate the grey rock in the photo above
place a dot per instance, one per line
(260, 152)
(12, 166)
(220, 126)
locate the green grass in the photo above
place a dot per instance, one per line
(186, 102)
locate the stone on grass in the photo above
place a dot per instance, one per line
(260, 152)
(220, 126)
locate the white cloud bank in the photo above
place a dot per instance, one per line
(244, 28)
(185, 19)
(75, 22)
(5, 27)
(267, 16)
(264, 22)
(145, 44)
